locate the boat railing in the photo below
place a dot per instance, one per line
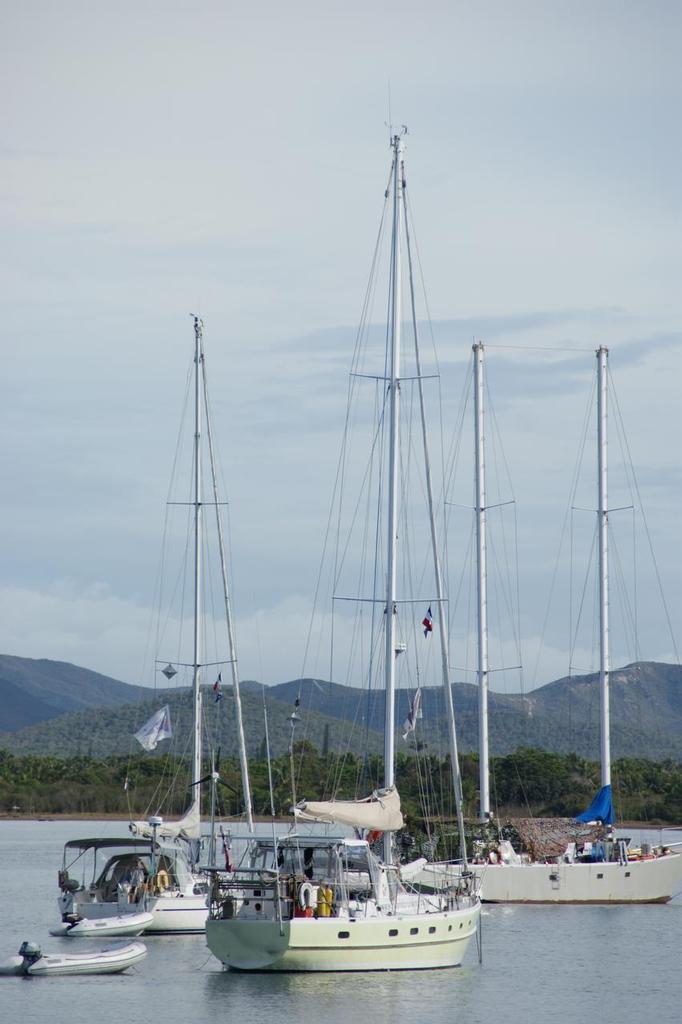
(260, 893)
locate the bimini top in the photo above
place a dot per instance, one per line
(379, 811)
(99, 843)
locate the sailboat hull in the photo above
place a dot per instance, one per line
(408, 942)
(173, 914)
(639, 881)
(642, 881)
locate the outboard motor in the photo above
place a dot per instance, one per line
(29, 952)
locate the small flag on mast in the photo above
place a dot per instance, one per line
(413, 714)
(216, 688)
(427, 622)
(157, 728)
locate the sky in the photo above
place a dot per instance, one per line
(161, 159)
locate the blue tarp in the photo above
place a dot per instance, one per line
(601, 808)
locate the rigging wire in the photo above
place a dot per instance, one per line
(571, 498)
(635, 492)
(336, 503)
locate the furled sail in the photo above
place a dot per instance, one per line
(601, 808)
(188, 827)
(379, 811)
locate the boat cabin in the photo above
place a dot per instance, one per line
(305, 876)
(120, 871)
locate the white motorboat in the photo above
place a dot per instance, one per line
(33, 962)
(311, 903)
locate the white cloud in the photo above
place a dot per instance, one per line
(237, 168)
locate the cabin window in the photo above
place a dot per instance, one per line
(627, 874)
(344, 935)
(431, 930)
(392, 933)
(257, 892)
(461, 924)
(600, 875)
(414, 931)
(449, 927)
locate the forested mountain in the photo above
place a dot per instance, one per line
(103, 732)
(35, 690)
(563, 716)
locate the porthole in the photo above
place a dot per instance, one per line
(258, 907)
(461, 924)
(414, 931)
(600, 875)
(627, 874)
(392, 933)
(344, 935)
(449, 927)
(432, 930)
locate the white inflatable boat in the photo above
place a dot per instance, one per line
(32, 961)
(118, 925)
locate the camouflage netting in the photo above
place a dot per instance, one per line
(549, 837)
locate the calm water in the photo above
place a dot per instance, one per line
(541, 965)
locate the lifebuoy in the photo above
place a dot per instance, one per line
(162, 880)
(306, 893)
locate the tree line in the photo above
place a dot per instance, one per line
(529, 782)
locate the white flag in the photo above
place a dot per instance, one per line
(157, 728)
(413, 714)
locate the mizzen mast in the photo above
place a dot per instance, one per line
(482, 587)
(393, 471)
(198, 527)
(603, 519)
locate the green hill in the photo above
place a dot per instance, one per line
(36, 690)
(77, 712)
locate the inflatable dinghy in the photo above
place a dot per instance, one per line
(120, 924)
(32, 961)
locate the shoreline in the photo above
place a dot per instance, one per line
(258, 819)
(108, 816)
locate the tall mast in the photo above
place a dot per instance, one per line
(482, 588)
(393, 470)
(196, 748)
(243, 761)
(603, 517)
(440, 595)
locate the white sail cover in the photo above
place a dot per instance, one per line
(379, 811)
(188, 827)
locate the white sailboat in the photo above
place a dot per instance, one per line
(328, 903)
(607, 870)
(105, 881)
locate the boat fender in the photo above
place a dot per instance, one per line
(306, 892)
(325, 900)
(162, 880)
